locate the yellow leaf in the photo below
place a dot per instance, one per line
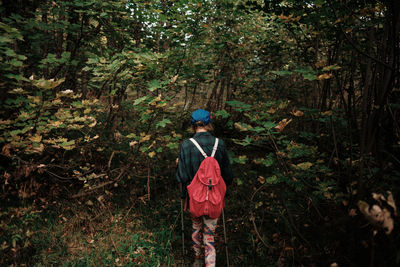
(36, 138)
(239, 127)
(38, 149)
(35, 99)
(93, 124)
(145, 138)
(56, 123)
(179, 104)
(5, 122)
(152, 154)
(261, 179)
(303, 166)
(243, 158)
(56, 101)
(161, 105)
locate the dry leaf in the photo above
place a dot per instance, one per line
(325, 76)
(298, 113)
(388, 222)
(380, 218)
(6, 150)
(282, 124)
(173, 79)
(352, 212)
(131, 144)
(240, 127)
(390, 202)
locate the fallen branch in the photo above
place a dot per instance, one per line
(253, 220)
(90, 191)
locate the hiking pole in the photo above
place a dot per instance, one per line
(183, 232)
(226, 244)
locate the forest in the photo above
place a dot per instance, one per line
(96, 99)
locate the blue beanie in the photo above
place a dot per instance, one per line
(200, 115)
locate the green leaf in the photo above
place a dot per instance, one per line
(309, 76)
(162, 123)
(77, 104)
(15, 132)
(5, 39)
(257, 129)
(272, 180)
(132, 135)
(48, 84)
(245, 142)
(269, 161)
(154, 85)
(269, 125)
(241, 159)
(68, 145)
(173, 146)
(240, 106)
(9, 52)
(282, 72)
(140, 100)
(308, 73)
(222, 113)
(16, 63)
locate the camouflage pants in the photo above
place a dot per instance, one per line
(204, 227)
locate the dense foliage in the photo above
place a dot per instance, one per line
(95, 100)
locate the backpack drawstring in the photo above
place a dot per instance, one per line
(208, 188)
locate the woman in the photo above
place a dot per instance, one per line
(189, 161)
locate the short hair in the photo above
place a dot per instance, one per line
(208, 126)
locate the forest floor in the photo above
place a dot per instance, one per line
(122, 228)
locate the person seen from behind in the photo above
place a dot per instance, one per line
(190, 158)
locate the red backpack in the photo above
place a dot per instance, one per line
(207, 189)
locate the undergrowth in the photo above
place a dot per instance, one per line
(86, 234)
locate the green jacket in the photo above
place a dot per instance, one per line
(190, 159)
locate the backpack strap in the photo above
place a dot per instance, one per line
(215, 147)
(202, 151)
(198, 147)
